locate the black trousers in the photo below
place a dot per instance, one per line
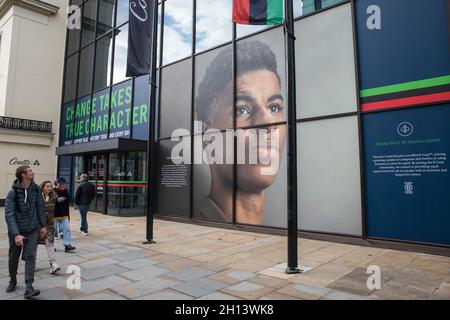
(28, 252)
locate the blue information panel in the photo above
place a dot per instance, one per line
(407, 178)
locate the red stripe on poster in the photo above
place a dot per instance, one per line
(403, 102)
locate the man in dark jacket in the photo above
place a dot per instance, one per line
(26, 220)
(83, 197)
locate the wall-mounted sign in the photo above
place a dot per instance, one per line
(104, 111)
(119, 173)
(23, 162)
(407, 174)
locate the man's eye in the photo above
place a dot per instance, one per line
(274, 108)
(242, 111)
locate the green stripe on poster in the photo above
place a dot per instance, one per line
(274, 11)
(420, 84)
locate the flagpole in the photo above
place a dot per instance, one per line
(292, 220)
(151, 145)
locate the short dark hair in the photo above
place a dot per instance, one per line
(250, 56)
(20, 171)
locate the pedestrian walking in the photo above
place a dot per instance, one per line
(49, 197)
(83, 197)
(62, 216)
(25, 218)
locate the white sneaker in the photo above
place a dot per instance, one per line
(84, 234)
(54, 268)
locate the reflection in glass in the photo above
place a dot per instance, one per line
(86, 67)
(213, 13)
(88, 22)
(73, 41)
(177, 30)
(122, 12)
(70, 81)
(244, 29)
(105, 16)
(120, 54)
(103, 57)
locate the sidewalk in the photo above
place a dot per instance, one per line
(198, 262)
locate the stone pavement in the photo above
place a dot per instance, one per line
(197, 262)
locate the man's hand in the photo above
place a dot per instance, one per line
(61, 199)
(43, 232)
(19, 240)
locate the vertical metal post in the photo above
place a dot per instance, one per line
(292, 224)
(151, 145)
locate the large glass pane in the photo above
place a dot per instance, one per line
(175, 109)
(214, 89)
(260, 69)
(323, 146)
(105, 16)
(120, 54)
(88, 22)
(120, 115)
(70, 81)
(213, 13)
(103, 60)
(177, 30)
(73, 33)
(122, 12)
(86, 68)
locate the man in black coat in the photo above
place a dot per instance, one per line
(83, 197)
(26, 221)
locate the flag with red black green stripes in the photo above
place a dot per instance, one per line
(258, 11)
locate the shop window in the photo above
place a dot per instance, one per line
(85, 69)
(103, 60)
(120, 54)
(213, 13)
(177, 30)
(88, 22)
(122, 12)
(105, 16)
(70, 81)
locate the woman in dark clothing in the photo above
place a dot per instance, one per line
(62, 218)
(49, 241)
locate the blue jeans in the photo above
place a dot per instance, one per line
(83, 213)
(64, 226)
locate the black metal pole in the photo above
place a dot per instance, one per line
(151, 145)
(292, 264)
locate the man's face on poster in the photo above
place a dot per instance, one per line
(258, 101)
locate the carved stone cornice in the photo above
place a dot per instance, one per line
(37, 6)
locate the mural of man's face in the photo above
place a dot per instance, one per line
(258, 101)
